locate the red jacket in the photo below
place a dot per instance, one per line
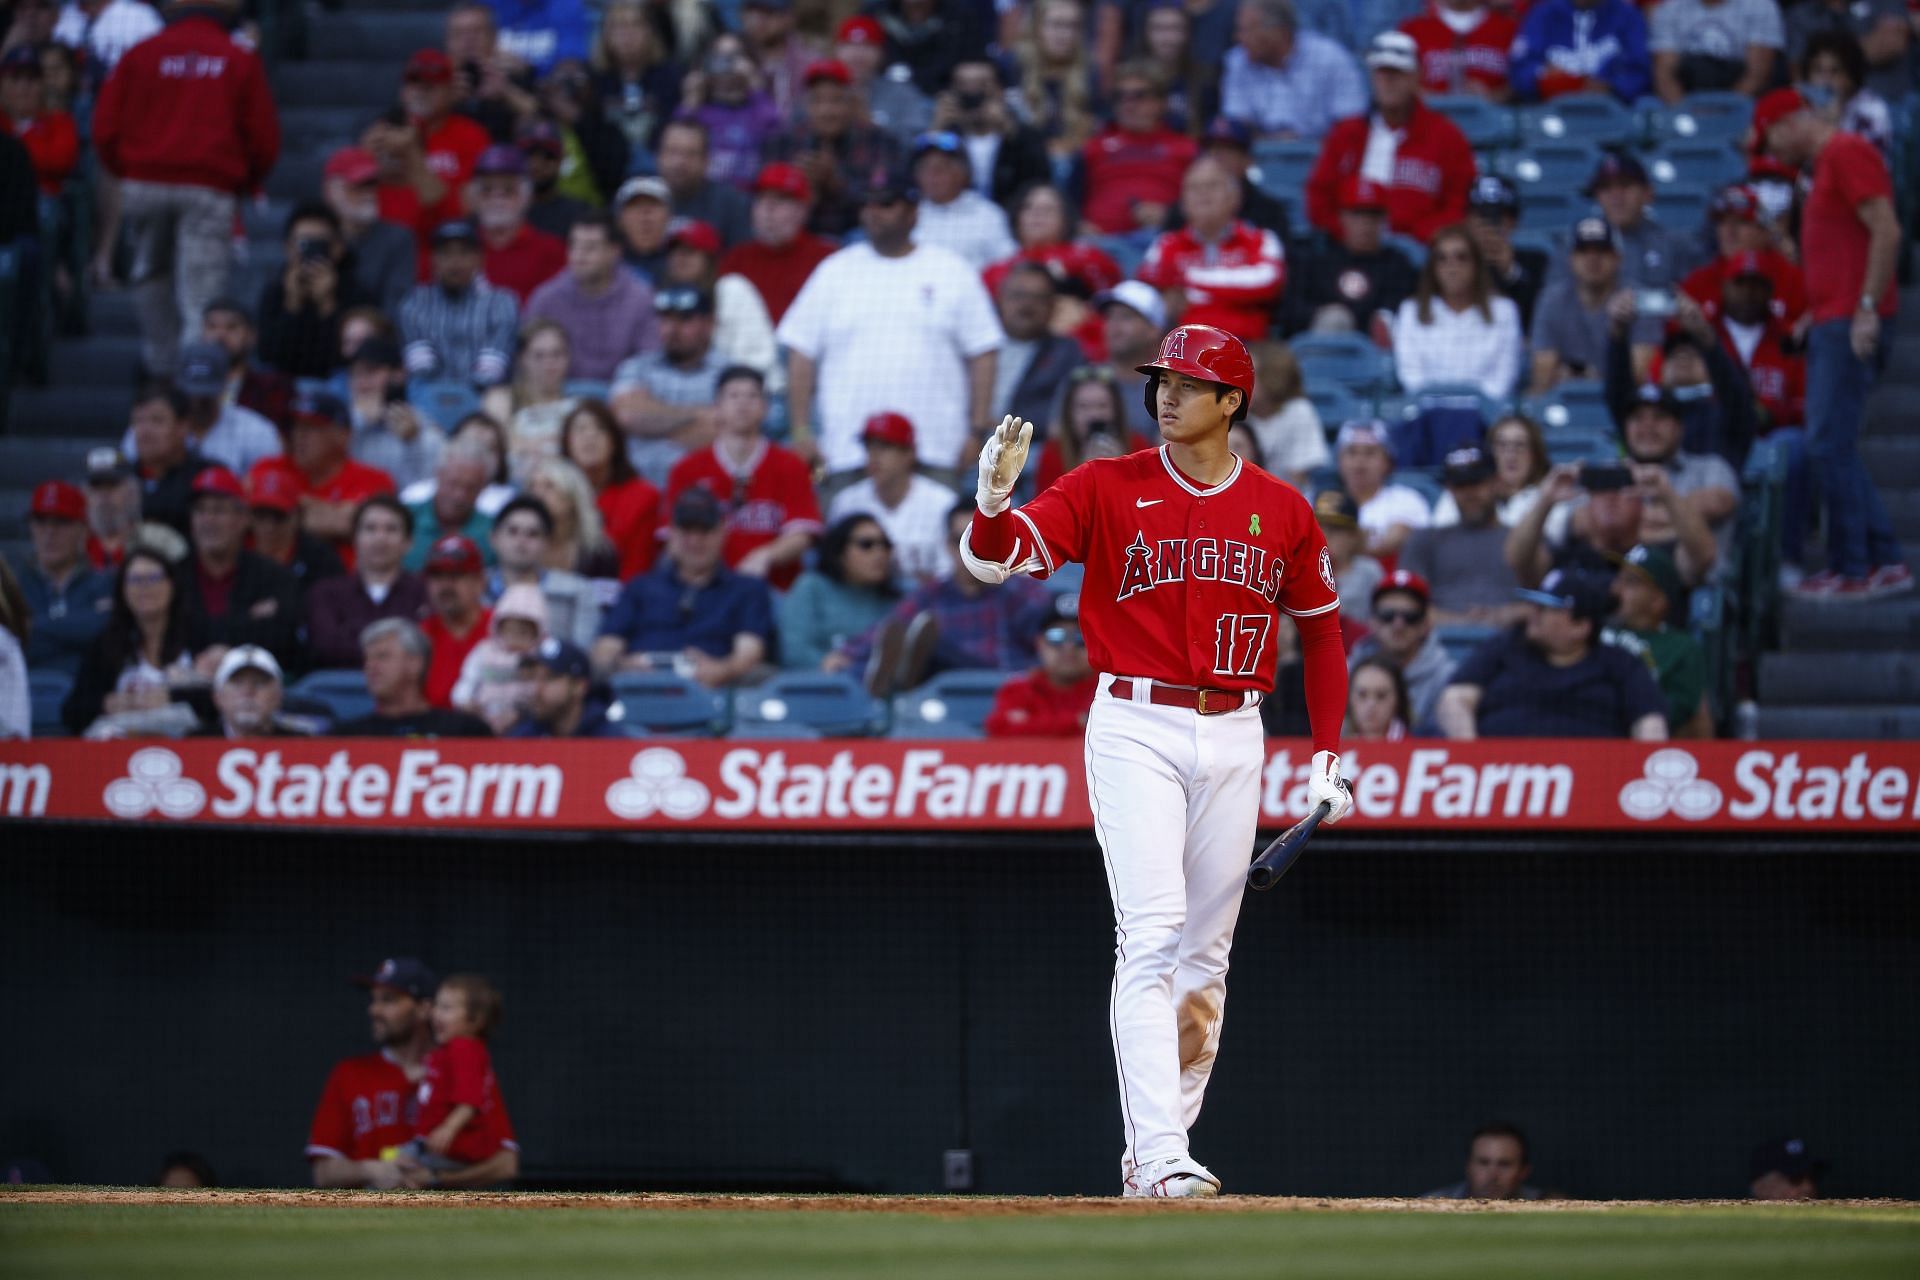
(1125, 169)
(525, 262)
(1034, 707)
(52, 143)
(191, 108)
(1448, 61)
(1232, 285)
(1789, 286)
(1432, 170)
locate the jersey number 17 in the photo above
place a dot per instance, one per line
(1240, 642)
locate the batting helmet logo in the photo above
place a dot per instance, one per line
(1206, 353)
(1174, 347)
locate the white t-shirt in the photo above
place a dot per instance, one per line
(971, 225)
(1292, 440)
(891, 334)
(118, 27)
(917, 527)
(1394, 504)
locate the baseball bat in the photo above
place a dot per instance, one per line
(1277, 858)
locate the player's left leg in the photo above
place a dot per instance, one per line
(1223, 811)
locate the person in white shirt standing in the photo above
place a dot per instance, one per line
(890, 326)
(953, 214)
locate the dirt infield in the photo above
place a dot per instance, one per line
(937, 1206)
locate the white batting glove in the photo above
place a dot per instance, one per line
(1001, 458)
(1325, 783)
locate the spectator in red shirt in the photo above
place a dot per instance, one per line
(187, 123)
(331, 485)
(457, 617)
(1133, 167)
(1053, 699)
(368, 1105)
(766, 490)
(1739, 228)
(462, 1122)
(629, 507)
(1419, 156)
(1217, 269)
(1043, 226)
(273, 502)
(425, 151)
(782, 253)
(1463, 48)
(1753, 333)
(50, 137)
(516, 257)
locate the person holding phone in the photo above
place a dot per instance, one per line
(301, 309)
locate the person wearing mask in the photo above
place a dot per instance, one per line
(459, 327)
(606, 311)
(234, 596)
(379, 586)
(384, 255)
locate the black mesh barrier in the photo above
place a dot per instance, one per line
(812, 1014)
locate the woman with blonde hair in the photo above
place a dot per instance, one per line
(537, 403)
(1456, 328)
(579, 543)
(1057, 93)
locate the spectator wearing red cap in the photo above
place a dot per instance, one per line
(607, 311)
(1006, 153)
(1418, 156)
(911, 508)
(1133, 167)
(234, 596)
(728, 96)
(1403, 634)
(1360, 277)
(377, 586)
(839, 154)
(1053, 699)
(331, 485)
(184, 147)
(766, 491)
(161, 448)
(301, 309)
(426, 159)
(515, 256)
(742, 331)
(50, 137)
(1217, 269)
(1463, 47)
(782, 253)
(895, 104)
(1849, 244)
(1739, 229)
(67, 599)
(683, 157)
(273, 530)
(385, 255)
(457, 616)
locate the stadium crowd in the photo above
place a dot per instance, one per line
(662, 339)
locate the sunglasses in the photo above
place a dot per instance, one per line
(868, 544)
(1062, 635)
(1091, 373)
(1408, 616)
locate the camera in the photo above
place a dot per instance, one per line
(312, 249)
(1658, 303)
(970, 100)
(1605, 477)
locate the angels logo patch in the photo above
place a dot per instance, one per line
(1326, 570)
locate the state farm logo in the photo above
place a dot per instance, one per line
(657, 782)
(1672, 785)
(153, 784)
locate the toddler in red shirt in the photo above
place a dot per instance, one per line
(462, 1118)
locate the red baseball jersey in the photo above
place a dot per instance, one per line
(1232, 285)
(367, 1106)
(1183, 583)
(773, 494)
(1706, 284)
(1449, 59)
(353, 482)
(460, 1073)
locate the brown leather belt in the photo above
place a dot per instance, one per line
(1206, 702)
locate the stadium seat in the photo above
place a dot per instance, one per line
(1284, 162)
(1593, 119)
(833, 706)
(953, 704)
(1422, 481)
(1488, 126)
(1462, 638)
(1337, 404)
(1561, 166)
(1574, 405)
(1681, 208)
(1538, 241)
(1350, 360)
(1709, 164)
(1701, 117)
(1550, 211)
(660, 702)
(445, 402)
(1574, 444)
(46, 692)
(1436, 421)
(1415, 250)
(344, 693)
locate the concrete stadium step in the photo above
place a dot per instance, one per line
(1832, 630)
(304, 128)
(1892, 408)
(69, 411)
(376, 35)
(13, 511)
(1807, 679)
(1888, 723)
(27, 460)
(1893, 460)
(97, 360)
(367, 85)
(297, 176)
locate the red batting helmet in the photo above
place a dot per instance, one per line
(1204, 352)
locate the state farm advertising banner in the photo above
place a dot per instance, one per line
(891, 785)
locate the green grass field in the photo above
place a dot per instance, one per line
(1232, 1239)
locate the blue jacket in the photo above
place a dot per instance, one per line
(1607, 42)
(543, 32)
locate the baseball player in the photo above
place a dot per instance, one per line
(1190, 554)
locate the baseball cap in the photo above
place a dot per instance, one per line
(941, 140)
(1494, 193)
(57, 500)
(353, 165)
(246, 657)
(429, 66)
(540, 135)
(1784, 1155)
(1772, 109)
(272, 489)
(646, 186)
(1469, 465)
(1747, 262)
(1595, 233)
(380, 351)
(860, 29)
(1736, 201)
(889, 428)
(218, 482)
(1231, 132)
(1585, 595)
(203, 369)
(697, 508)
(1653, 395)
(1364, 431)
(1393, 51)
(784, 180)
(694, 234)
(405, 975)
(459, 229)
(682, 300)
(1136, 296)
(1063, 611)
(1615, 166)
(454, 553)
(826, 69)
(107, 465)
(1657, 567)
(320, 407)
(500, 161)
(1404, 580)
(1359, 194)
(562, 657)
(886, 188)
(1335, 508)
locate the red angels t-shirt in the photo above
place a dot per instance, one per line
(353, 482)
(460, 1073)
(450, 654)
(1183, 583)
(773, 494)
(367, 1106)
(1833, 240)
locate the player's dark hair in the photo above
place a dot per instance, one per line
(484, 1005)
(1220, 389)
(384, 502)
(1501, 1129)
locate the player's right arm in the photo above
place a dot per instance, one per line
(1040, 536)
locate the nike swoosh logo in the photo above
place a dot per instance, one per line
(1144, 502)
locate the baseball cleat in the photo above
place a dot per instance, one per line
(1176, 1177)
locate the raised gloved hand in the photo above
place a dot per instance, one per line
(1001, 458)
(1325, 783)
